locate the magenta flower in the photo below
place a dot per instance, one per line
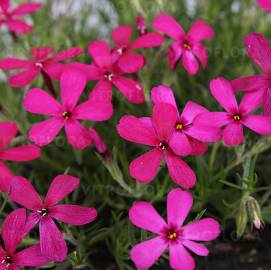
(123, 51)
(67, 113)
(8, 131)
(43, 62)
(12, 235)
(187, 47)
(52, 243)
(108, 73)
(97, 141)
(266, 4)
(236, 116)
(141, 26)
(187, 137)
(259, 49)
(171, 234)
(11, 18)
(156, 132)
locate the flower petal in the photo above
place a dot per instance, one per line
(31, 256)
(45, 132)
(190, 63)
(174, 54)
(54, 70)
(52, 243)
(259, 123)
(32, 219)
(204, 133)
(196, 248)
(131, 89)
(164, 118)
(144, 216)
(233, 134)
(266, 4)
(259, 50)
(21, 153)
(179, 204)
(145, 254)
(73, 214)
(200, 31)
(213, 119)
(198, 148)
(163, 94)
(40, 102)
(97, 141)
(179, 171)
(26, 8)
(206, 229)
(191, 111)
(67, 54)
(102, 91)
(180, 144)
(41, 53)
(5, 5)
(132, 129)
(222, 91)
(168, 25)
(148, 40)
(24, 78)
(77, 135)
(94, 110)
(145, 167)
(122, 35)
(19, 185)
(252, 101)
(201, 53)
(13, 228)
(180, 258)
(72, 83)
(61, 187)
(14, 63)
(251, 83)
(18, 26)
(130, 62)
(100, 52)
(5, 177)
(267, 103)
(8, 131)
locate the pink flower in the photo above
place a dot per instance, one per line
(123, 51)
(108, 73)
(12, 17)
(259, 49)
(67, 113)
(8, 131)
(266, 4)
(156, 132)
(141, 26)
(187, 137)
(236, 116)
(171, 234)
(43, 62)
(97, 141)
(52, 243)
(187, 47)
(12, 235)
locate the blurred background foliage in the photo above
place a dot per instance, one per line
(229, 179)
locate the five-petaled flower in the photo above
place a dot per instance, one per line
(123, 52)
(235, 116)
(157, 132)
(52, 243)
(171, 234)
(43, 62)
(187, 47)
(266, 4)
(8, 131)
(259, 50)
(13, 232)
(187, 137)
(11, 17)
(67, 113)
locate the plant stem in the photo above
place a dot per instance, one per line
(47, 80)
(14, 37)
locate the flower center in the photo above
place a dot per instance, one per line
(179, 126)
(7, 261)
(108, 76)
(43, 212)
(163, 145)
(186, 46)
(237, 117)
(39, 65)
(66, 115)
(172, 236)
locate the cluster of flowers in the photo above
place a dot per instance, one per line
(170, 133)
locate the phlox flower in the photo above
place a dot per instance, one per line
(188, 47)
(171, 234)
(67, 113)
(43, 62)
(187, 137)
(11, 17)
(266, 4)
(52, 243)
(156, 132)
(236, 116)
(12, 235)
(259, 50)
(8, 131)
(141, 26)
(128, 60)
